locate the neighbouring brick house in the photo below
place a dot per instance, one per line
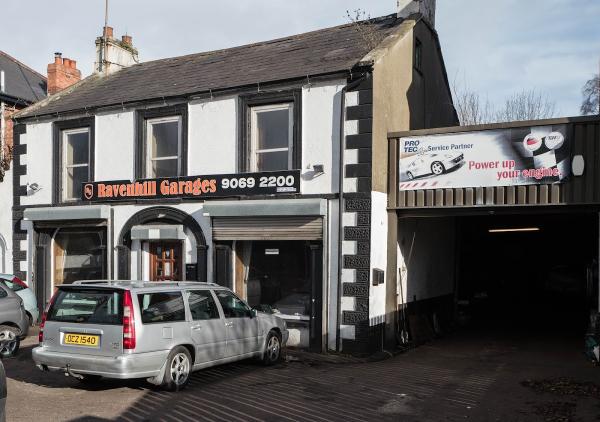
(20, 86)
(261, 167)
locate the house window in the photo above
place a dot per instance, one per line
(163, 147)
(75, 162)
(161, 142)
(418, 55)
(271, 137)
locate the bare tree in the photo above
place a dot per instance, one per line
(591, 96)
(473, 109)
(526, 105)
(361, 22)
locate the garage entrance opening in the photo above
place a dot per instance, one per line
(532, 273)
(535, 275)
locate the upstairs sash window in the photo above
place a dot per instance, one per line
(76, 162)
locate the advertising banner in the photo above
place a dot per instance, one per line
(199, 187)
(502, 157)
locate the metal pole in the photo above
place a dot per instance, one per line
(105, 58)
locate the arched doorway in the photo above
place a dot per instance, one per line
(161, 215)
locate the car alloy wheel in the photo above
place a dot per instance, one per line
(437, 168)
(180, 369)
(272, 349)
(9, 343)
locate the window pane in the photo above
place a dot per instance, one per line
(76, 176)
(164, 168)
(272, 161)
(88, 307)
(202, 305)
(78, 255)
(165, 139)
(161, 307)
(77, 148)
(232, 306)
(273, 129)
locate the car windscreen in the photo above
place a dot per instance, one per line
(87, 306)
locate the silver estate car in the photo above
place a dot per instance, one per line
(161, 331)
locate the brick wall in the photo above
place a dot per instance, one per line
(8, 139)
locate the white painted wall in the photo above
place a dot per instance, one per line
(212, 142)
(379, 234)
(39, 162)
(6, 202)
(321, 114)
(114, 143)
(426, 257)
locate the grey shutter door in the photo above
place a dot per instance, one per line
(268, 228)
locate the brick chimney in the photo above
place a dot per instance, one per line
(113, 54)
(424, 7)
(62, 74)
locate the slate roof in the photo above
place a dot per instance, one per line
(21, 82)
(320, 52)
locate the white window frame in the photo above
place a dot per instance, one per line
(65, 166)
(149, 130)
(254, 151)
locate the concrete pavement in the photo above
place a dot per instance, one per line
(475, 376)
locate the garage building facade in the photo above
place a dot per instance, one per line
(506, 227)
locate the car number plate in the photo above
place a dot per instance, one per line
(82, 340)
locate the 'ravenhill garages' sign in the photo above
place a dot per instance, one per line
(199, 187)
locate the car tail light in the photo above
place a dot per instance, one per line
(17, 280)
(44, 316)
(128, 322)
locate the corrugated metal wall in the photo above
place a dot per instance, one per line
(585, 189)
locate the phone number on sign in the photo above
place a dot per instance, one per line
(278, 182)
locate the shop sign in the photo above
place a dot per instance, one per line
(199, 187)
(502, 157)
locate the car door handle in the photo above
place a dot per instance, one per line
(197, 327)
(229, 324)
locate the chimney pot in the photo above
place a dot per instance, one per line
(62, 74)
(127, 39)
(108, 32)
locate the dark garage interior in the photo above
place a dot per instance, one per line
(527, 272)
(529, 275)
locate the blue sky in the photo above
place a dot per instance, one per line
(495, 47)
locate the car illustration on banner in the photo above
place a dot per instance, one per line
(433, 164)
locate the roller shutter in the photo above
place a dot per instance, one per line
(268, 228)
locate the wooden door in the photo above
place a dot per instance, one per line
(166, 261)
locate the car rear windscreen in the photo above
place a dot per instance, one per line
(87, 306)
